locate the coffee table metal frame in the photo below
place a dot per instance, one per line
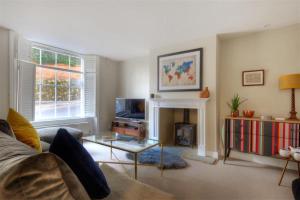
(109, 143)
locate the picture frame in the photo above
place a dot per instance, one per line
(253, 78)
(180, 71)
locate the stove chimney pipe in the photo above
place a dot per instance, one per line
(186, 116)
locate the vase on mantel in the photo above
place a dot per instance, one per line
(204, 93)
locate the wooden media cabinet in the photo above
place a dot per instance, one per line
(129, 127)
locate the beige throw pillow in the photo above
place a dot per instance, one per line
(24, 174)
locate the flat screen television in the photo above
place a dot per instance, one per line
(130, 108)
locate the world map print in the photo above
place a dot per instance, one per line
(178, 72)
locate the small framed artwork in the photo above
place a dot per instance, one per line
(180, 71)
(253, 77)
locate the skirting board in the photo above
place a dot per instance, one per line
(213, 154)
(264, 160)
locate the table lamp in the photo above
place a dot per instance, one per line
(290, 81)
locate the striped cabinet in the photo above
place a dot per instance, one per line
(259, 137)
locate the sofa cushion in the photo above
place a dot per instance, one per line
(48, 134)
(126, 188)
(81, 162)
(45, 146)
(24, 174)
(6, 128)
(23, 130)
(12, 152)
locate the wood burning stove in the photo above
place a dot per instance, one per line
(185, 132)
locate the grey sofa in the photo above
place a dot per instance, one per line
(26, 174)
(47, 135)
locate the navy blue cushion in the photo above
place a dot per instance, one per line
(81, 162)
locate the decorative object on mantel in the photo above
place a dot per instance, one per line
(234, 105)
(248, 113)
(253, 77)
(180, 71)
(290, 81)
(152, 95)
(204, 93)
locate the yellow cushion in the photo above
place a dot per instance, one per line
(23, 130)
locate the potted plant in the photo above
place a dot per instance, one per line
(234, 105)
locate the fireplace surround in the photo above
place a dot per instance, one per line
(197, 103)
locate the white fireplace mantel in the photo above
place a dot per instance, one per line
(195, 103)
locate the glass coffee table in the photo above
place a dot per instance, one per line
(125, 143)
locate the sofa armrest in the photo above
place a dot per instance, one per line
(48, 134)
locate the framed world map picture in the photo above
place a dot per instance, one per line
(180, 71)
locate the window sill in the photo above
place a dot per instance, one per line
(61, 122)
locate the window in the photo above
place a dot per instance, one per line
(52, 84)
(59, 88)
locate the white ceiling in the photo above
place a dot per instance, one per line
(122, 29)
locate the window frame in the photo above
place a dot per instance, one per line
(70, 54)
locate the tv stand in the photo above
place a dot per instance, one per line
(129, 127)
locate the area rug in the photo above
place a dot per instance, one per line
(171, 158)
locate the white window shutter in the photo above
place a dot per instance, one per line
(13, 70)
(24, 49)
(22, 75)
(90, 65)
(26, 90)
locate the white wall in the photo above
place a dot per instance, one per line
(108, 91)
(133, 77)
(209, 46)
(277, 52)
(4, 75)
(138, 78)
(107, 83)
